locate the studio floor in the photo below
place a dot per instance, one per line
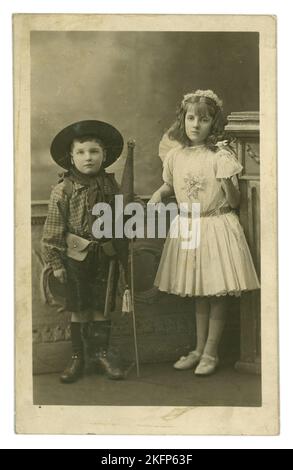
(158, 385)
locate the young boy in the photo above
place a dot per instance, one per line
(78, 260)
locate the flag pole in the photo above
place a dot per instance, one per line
(133, 309)
(127, 187)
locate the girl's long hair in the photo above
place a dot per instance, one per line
(208, 107)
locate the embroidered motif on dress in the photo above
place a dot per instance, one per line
(193, 184)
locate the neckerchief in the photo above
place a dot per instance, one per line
(94, 183)
(101, 187)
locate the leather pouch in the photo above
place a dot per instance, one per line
(77, 247)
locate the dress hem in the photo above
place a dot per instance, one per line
(219, 294)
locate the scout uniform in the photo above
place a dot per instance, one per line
(68, 243)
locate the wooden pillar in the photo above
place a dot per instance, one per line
(244, 126)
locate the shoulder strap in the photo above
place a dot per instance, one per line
(68, 187)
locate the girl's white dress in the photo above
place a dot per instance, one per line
(222, 263)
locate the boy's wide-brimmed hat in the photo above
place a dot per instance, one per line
(109, 135)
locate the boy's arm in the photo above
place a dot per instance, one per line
(53, 241)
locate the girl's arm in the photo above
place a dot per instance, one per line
(232, 193)
(164, 191)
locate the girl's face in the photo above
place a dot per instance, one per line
(87, 156)
(197, 124)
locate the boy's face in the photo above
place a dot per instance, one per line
(87, 156)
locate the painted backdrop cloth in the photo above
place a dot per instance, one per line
(222, 263)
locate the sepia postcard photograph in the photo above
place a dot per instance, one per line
(145, 224)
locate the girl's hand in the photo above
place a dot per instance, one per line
(156, 198)
(61, 275)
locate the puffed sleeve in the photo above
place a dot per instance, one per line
(227, 164)
(168, 166)
(166, 145)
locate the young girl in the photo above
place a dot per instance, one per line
(200, 168)
(77, 259)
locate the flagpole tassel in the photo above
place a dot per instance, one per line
(127, 301)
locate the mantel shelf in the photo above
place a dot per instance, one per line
(243, 122)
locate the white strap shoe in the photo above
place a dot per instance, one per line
(207, 365)
(188, 362)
